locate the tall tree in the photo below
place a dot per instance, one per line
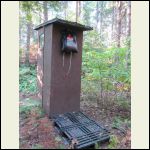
(45, 9)
(65, 6)
(79, 2)
(128, 35)
(29, 25)
(39, 11)
(87, 11)
(20, 26)
(27, 7)
(119, 6)
(129, 19)
(125, 22)
(101, 17)
(97, 14)
(77, 9)
(112, 23)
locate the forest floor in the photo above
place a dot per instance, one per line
(37, 130)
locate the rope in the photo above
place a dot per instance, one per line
(63, 58)
(69, 64)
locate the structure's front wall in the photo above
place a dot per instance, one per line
(64, 89)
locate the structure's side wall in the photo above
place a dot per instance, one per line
(65, 90)
(47, 67)
(40, 66)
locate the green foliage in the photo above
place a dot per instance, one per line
(54, 5)
(37, 146)
(92, 41)
(100, 64)
(20, 52)
(127, 42)
(127, 122)
(25, 110)
(97, 146)
(58, 139)
(27, 79)
(61, 146)
(88, 7)
(27, 7)
(119, 122)
(123, 103)
(30, 107)
(27, 105)
(113, 142)
(102, 75)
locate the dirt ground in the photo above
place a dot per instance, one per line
(37, 131)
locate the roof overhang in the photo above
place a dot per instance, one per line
(64, 22)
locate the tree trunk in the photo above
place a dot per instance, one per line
(128, 34)
(40, 18)
(129, 19)
(115, 26)
(112, 26)
(20, 21)
(45, 11)
(118, 29)
(39, 12)
(20, 40)
(101, 19)
(28, 42)
(65, 9)
(124, 20)
(20, 34)
(100, 98)
(97, 14)
(119, 23)
(125, 23)
(77, 11)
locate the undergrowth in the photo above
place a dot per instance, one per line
(27, 79)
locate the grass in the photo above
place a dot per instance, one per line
(121, 122)
(123, 103)
(113, 142)
(97, 146)
(31, 107)
(37, 146)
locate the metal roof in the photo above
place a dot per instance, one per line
(64, 22)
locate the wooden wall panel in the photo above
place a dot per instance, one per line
(65, 90)
(40, 66)
(47, 67)
(60, 92)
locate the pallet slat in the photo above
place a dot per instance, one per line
(77, 126)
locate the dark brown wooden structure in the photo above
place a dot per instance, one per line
(59, 92)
